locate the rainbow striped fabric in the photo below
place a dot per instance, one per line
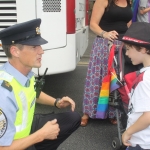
(115, 84)
(109, 84)
(102, 106)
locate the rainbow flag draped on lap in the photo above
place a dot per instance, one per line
(109, 84)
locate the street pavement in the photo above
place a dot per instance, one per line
(98, 134)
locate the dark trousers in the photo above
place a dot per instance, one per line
(136, 148)
(68, 123)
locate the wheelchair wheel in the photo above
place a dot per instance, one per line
(116, 143)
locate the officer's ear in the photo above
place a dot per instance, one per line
(14, 51)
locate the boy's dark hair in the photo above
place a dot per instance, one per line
(6, 49)
(138, 48)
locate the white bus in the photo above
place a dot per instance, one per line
(64, 25)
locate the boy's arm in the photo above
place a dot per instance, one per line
(142, 123)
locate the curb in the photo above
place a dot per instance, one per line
(82, 64)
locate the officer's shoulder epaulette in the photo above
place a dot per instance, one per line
(6, 85)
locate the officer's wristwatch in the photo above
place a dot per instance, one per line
(55, 103)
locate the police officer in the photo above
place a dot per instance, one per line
(19, 128)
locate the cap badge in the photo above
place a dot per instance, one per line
(38, 30)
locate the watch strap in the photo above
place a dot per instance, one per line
(56, 101)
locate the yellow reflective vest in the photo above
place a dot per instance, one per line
(25, 97)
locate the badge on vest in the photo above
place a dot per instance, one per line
(6, 85)
(3, 123)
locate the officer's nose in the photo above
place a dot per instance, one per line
(40, 50)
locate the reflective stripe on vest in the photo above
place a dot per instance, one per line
(24, 113)
(25, 97)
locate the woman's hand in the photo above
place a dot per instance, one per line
(112, 35)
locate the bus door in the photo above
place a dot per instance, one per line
(53, 26)
(81, 26)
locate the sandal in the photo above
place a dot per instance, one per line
(84, 121)
(113, 121)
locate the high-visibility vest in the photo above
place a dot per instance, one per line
(25, 98)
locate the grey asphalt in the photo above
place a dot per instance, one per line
(98, 134)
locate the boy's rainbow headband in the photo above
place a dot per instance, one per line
(126, 38)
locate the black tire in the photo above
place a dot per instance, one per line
(116, 143)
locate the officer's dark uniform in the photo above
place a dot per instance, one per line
(28, 33)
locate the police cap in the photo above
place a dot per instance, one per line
(26, 33)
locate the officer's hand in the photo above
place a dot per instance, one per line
(50, 130)
(66, 101)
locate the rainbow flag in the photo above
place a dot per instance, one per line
(102, 106)
(109, 84)
(115, 83)
(135, 5)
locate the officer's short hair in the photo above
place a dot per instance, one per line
(6, 49)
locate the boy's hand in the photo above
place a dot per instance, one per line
(125, 139)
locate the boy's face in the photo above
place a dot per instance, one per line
(135, 55)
